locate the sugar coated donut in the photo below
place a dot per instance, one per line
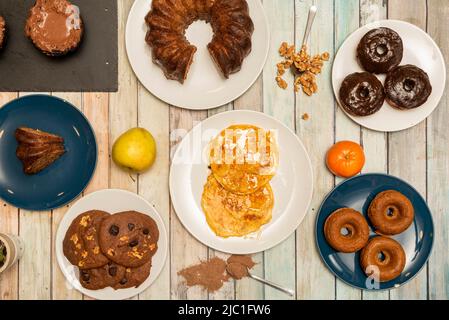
(391, 212)
(346, 230)
(383, 258)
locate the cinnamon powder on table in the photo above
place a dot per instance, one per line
(209, 274)
(213, 273)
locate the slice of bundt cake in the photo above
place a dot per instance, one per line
(233, 29)
(168, 20)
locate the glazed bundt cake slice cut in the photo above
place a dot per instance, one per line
(172, 52)
(233, 30)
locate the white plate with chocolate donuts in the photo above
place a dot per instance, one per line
(197, 54)
(389, 75)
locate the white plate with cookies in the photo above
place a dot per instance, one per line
(205, 87)
(419, 50)
(112, 201)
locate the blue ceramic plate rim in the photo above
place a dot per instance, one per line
(319, 248)
(94, 167)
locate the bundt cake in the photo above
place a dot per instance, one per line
(169, 19)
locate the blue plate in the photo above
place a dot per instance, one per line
(63, 180)
(357, 193)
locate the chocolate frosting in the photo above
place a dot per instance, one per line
(407, 87)
(361, 94)
(54, 26)
(2, 32)
(380, 50)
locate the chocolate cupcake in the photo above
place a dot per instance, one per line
(407, 87)
(54, 26)
(380, 50)
(2, 32)
(361, 94)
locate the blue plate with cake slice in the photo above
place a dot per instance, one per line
(48, 152)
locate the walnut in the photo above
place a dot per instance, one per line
(281, 83)
(85, 220)
(306, 68)
(74, 238)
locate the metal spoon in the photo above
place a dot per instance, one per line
(312, 13)
(290, 292)
(238, 270)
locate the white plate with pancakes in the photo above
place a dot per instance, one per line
(419, 50)
(111, 201)
(291, 185)
(205, 87)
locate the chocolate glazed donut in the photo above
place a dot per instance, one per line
(346, 230)
(391, 212)
(407, 87)
(383, 257)
(361, 94)
(380, 50)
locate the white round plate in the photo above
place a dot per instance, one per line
(112, 201)
(419, 50)
(292, 185)
(205, 87)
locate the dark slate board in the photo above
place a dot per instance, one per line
(93, 67)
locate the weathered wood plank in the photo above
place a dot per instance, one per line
(9, 223)
(279, 262)
(185, 250)
(374, 143)
(61, 289)
(346, 22)
(248, 289)
(153, 185)
(314, 281)
(123, 104)
(35, 267)
(438, 163)
(96, 109)
(407, 149)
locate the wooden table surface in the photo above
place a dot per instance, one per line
(419, 155)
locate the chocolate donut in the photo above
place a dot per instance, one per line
(380, 50)
(54, 26)
(346, 230)
(384, 258)
(2, 32)
(407, 87)
(361, 94)
(391, 212)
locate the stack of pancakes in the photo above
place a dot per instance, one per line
(237, 198)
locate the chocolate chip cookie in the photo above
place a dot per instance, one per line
(134, 277)
(129, 238)
(81, 245)
(107, 276)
